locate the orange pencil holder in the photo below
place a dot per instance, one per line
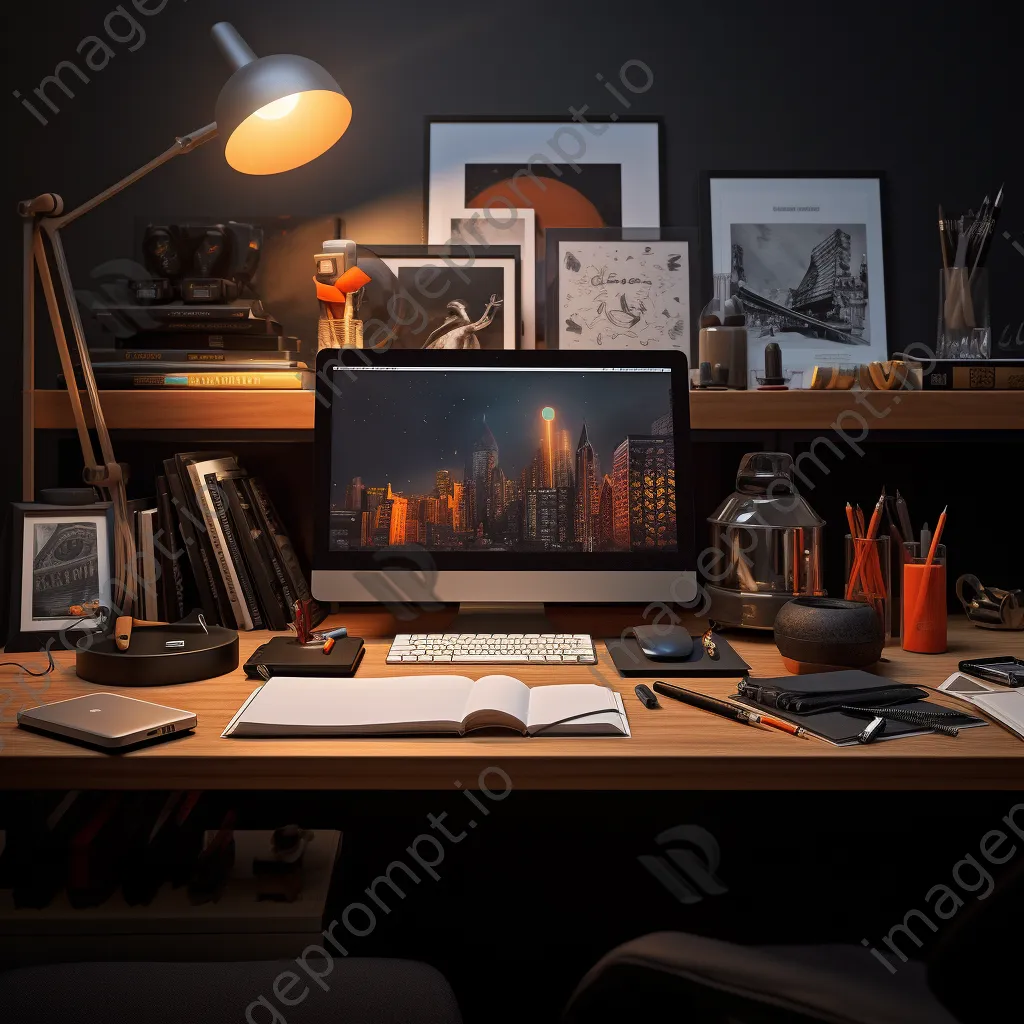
(924, 600)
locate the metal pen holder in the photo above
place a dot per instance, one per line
(964, 330)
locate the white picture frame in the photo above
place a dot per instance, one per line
(48, 557)
(431, 276)
(621, 288)
(507, 227)
(530, 146)
(789, 229)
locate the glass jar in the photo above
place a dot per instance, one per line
(766, 545)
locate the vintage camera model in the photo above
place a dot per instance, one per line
(198, 263)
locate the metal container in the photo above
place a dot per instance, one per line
(767, 545)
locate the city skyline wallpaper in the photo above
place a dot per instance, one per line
(521, 460)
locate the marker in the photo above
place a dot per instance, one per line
(328, 644)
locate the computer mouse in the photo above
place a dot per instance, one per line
(664, 643)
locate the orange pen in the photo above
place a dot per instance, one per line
(328, 644)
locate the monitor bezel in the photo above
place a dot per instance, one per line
(412, 557)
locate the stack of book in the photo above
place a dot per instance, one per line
(183, 345)
(212, 539)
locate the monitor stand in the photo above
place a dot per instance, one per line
(520, 617)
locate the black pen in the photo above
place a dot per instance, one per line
(724, 708)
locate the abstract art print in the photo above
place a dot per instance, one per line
(458, 297)
(620, 288)
(805, 257)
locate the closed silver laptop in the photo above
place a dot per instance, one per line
(107, 720)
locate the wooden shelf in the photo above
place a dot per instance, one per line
(847, 411)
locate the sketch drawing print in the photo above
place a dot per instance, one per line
(625, 294)
(457, 332)
(803, 282)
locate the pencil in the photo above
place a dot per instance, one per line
(872, 533)
(933, 548)
(942, 239)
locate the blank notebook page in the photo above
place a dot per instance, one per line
(309, 703)
(550, 704)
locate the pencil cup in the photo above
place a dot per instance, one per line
(964, 331)
(924, 600)
(867, 576)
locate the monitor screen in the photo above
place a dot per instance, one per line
(524, 460)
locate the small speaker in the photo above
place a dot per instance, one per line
(814, 634)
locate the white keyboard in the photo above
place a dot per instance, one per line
(492, 649)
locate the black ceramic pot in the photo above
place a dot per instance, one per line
(814, 633)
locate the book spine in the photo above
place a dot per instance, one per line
(266, 342)
(273, 615)
(230, 558)
(285, 551)
(269, 552)
(202, 571)
(149, 605)
(169, 554)
(271, 379)
(123, 359)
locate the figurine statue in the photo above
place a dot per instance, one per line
(457, 331)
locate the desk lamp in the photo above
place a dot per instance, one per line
(274, 113)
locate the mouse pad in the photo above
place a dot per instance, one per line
(630, 661)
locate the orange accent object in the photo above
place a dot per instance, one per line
(924, 608)
(351, 281)
(778, 723)
(858, 566)
(328, 644)
(936, 536)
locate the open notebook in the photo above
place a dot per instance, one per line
(426, 705)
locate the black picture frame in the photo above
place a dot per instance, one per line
(432, 256)
(553, 238)
(20, 639)
(705, 178)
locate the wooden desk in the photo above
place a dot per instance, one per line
(676, 748)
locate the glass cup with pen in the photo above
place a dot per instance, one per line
(868, 576)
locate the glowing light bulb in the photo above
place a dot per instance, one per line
(279, 108)
(547, 412)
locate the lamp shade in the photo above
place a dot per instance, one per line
(278, 112)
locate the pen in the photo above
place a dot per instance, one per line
(904, 516)
(724, 708)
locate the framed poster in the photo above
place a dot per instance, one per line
(507, 227)
(61, 556)
(601, 174)
(621, 288)
(453, 297)
(805, 255)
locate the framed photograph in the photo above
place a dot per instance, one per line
(621, 288)
(453, 297)
(805, 254)
(507, 227)
(601, 174)
(61, 556)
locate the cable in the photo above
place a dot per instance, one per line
(42, 672)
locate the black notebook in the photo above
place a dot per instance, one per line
(812, 701)
(285, 656)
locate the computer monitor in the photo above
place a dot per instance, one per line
(502, 477)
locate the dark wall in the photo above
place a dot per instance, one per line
(924, 94)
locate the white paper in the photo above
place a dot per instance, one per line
(1003, 703)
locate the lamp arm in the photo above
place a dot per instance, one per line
(182, 144)
(44, 214)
